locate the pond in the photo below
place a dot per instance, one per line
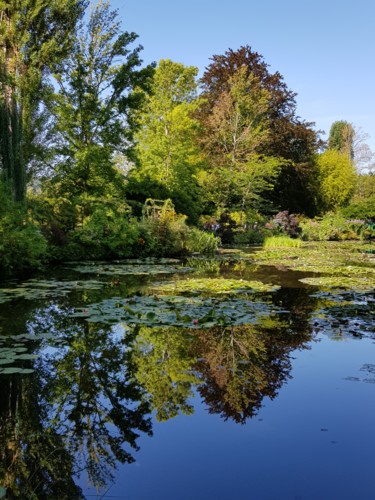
(246, 375)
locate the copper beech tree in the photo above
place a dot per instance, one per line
(247, 111)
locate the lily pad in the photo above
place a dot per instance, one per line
(6, 361)
(354, 283)
(137, 269)
(347, 265)
(212, 286)
(26, 356)
(14, 369)
(177, 311)
(10, 370)
(42, 289)
(345, 314)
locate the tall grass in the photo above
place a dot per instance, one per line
(201, 241)
(281, 242)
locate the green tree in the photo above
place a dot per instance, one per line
(166, 147)
(167, 139)
(35, 35)
(242, 188)
(365, 187)
(100, 85)
(237, 125)
(341, 138)
(336, 179)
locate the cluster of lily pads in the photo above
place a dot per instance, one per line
(185, 302)
(345, 314)
(15, 351)
(212, 286)
(137, 267)
(360, 283)
(154, 310)
(339, 265)
(36, 289)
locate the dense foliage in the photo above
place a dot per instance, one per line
(102, 157)
(35, 37)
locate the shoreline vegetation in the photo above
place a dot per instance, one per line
(164, 233)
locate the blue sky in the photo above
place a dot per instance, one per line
(324, 48)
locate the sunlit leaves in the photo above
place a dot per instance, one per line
(166, 141)
(336, 177)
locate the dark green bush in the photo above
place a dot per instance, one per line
(22, 245)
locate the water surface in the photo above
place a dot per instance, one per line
(113, 387)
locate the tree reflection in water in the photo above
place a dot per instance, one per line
(34, 461)
(94, 387)
(80, 410)
(241, 365)
(95, 401)
(233, 368)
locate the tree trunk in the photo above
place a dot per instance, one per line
(10, 121)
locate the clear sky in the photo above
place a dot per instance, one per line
(323, 48)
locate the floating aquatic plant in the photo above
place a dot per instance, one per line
(345, 313)
(360, 283)
(349, 266)
(15, 350)
(137, 268)
(35, 289)
(212, 286)
(177, 311)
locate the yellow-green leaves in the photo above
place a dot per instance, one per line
(336, 179)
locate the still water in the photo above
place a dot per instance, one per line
(114, 386)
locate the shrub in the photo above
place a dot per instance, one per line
(250, 236)
(364, 209)
(285, 223)
(201, 241)
(100, 228)
(22, 245)
(163, 231)
(335, 227)
(327, 228)
(106, 234)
